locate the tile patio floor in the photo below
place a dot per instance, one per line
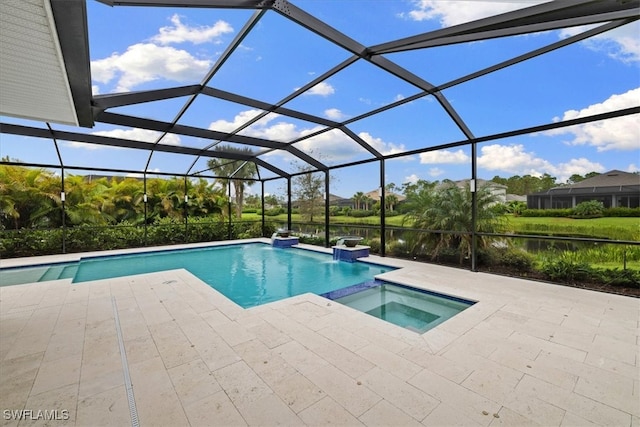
(527, 353)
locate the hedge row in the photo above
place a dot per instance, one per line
(33, 242)
(568, 213)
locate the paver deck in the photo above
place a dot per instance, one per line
(528, 353)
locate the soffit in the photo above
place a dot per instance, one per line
(35, 81)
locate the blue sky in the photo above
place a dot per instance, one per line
(142, 48)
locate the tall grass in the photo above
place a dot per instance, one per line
(604, 228)
(602, 255)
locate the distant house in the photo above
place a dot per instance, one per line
(339, 201)
(375, 195)
(333, 201)
(516, 198)
(614, 189)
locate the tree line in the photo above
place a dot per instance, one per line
(527, 184)
(32, 198)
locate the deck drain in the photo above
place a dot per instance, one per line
(133, 411)
(168, 282)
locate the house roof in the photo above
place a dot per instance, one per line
(612, 178)
(613, 181)
(375, 195)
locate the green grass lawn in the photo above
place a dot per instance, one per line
(334, 220)
(611, 227)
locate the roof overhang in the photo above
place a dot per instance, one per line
(44, 61)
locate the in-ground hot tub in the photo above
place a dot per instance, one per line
(414, 309)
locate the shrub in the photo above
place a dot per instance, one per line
(617, 277)
(250, 230)
(334, 210)
(206, 230)
(622, 212)
(374, 244)
(557, 213)
(399, 248)
(310, 240)
(516, 259)
(359, 213)
(588, 209)
(274, 211)
(565, 269)
(516, 207)
(500, 208)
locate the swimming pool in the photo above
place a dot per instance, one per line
(249, 274)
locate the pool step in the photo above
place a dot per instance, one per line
(69, 271)
(57, 272)
(52, 273)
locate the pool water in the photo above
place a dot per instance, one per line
(410, 308)
(248, 274)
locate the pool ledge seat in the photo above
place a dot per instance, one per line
(284, 242)
(350, 254)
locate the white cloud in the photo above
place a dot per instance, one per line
(322, 89)
(134, 134)
(514, 159)
(444, 156)
(145, 62)
(579, 166)
(263, 128)
(451, 13)
(332, 145)
(386, 148)
(180, 33)
(240, 119)
(622, 43)
(334, 114)
(633, 168)
(621, 133)
(144, 135)
(413, 178)
(434, 172)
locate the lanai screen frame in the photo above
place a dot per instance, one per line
(607, 14)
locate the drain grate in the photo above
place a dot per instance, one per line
(133, 411)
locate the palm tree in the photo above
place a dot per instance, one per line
(87, 202)
(242, 171)
(357, 198)
(126, 200)
(204, 199)
(448, 210)
(367, 201)
(391, 200)
(166, 197)
(30, 197)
